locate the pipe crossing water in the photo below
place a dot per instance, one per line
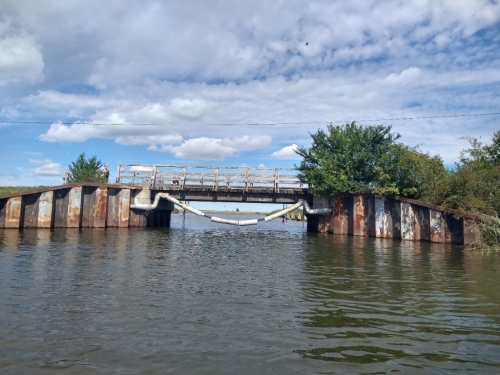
(150, 207)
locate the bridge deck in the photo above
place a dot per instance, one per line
(240, 180)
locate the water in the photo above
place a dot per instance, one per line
(204, 298)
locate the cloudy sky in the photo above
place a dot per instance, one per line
(197, 82)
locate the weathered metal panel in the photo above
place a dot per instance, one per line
(342, 215)
(3, 206)
(61, 197)
(394, 208)
(159, 218)
(74, 207)
(415, 222)
(437, 226)
(112, 210)
(45, 209)
(454, 232)
(407, 222)
(364, 215)
(422, 224)
(13, 212)
(88, 200)
(100, 206)
(471, 231)
(124, 208)
(387, 217)
(29, 215)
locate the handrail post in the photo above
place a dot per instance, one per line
(216, 179)
(153, 179)
(184, 172)
(276, 180)
(246, 179)
(117, 180)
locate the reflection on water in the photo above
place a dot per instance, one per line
(204, 298)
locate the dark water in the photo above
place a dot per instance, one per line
(267, 299)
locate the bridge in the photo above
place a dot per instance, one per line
(217, 184)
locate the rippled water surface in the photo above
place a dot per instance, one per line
(203, 298)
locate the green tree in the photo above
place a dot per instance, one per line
(406, 171)
(343, 159)
(85, 170)
(474, 184)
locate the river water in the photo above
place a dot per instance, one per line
(204, 298)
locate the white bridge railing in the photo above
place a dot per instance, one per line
(177, 177)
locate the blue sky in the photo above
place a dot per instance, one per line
(67, 67)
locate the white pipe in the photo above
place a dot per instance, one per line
(284, 211)
(234, 222)
(316, 211)
(149, 207)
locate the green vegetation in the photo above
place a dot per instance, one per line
(85, 170)
(15, 189)
(352, 158)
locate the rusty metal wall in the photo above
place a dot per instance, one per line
(100, 207)
(29, 216)
(415, 222)
(471, 231)
(3, 207)
(342, 215)
(74, 207)
(364, 216)
(387, 217)
(88, 202)
(45, 209)
(13, 212)
(118, 208)
(61, 197)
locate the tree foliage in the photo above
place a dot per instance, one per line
(408, 172)
(85, 169)
(343, 160)
(474, 184)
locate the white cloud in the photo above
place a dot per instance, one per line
(212, 148)
(46, 167)
(20, 60)
(189, 108)
(287, 152)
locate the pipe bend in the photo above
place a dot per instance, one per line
(316, 211)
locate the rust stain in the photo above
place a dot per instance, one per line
(471, 231)
(437, 227)
(123, 208)
(100, 207)
(45, 209)
(13, 212)
(74, 207)
(359, 217)
(339, 218)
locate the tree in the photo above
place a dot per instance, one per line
(474, 184)
(343, 160)
(406, 171)
(85, 170)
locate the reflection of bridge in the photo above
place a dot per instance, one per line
(220, 184)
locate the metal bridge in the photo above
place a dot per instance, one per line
(222, 184)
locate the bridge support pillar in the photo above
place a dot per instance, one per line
(159, 217)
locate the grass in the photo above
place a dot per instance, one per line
(489, 226)
(15, 189)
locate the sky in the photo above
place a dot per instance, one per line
(233, 83)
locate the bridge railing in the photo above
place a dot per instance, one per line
(177, 177)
